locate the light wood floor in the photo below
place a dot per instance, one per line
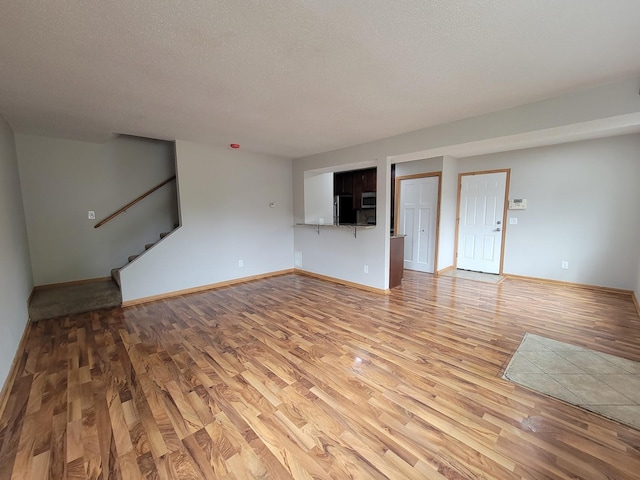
(294, 377)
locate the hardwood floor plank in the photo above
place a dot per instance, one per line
(24, 456)
(40, 466)
(198, 454)
(119, 427)
(75, 446)
(128, 466)
(75, 470)
(58, 459)
(12, 423)
(296, 377)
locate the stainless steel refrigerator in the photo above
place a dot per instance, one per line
(343, 212)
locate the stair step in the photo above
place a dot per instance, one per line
(164, 234)
(60, 301)
(115, 274)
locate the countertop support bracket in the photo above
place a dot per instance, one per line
(317, 227)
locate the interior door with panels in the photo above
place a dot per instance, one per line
(417, 220)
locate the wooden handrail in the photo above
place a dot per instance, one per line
(132, 203)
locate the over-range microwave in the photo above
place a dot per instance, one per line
(368, 200)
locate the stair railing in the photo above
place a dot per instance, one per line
(132, 203)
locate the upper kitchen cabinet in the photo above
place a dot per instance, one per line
(369, 180)
(343, 183)
(364, 184)
(355, 182)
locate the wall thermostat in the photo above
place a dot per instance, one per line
(518, 204)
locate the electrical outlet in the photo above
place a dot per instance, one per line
(366, 269)
(91, 215)
(241, 263)
(513, 221)
(565, 265)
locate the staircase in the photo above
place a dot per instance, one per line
(53, 301)
(115, 272)
(70, 299)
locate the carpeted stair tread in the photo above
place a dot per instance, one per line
(115, 274)
(149, 245)
(67, 300)
(132, 258)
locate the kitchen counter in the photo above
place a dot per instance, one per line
(333, 225)
(353, 226)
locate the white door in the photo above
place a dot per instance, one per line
(482, 198)
(418, 213)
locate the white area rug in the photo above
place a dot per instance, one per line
(598, 382)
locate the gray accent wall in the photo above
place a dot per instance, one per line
(63, 179)
(15, 266)
(226, 212)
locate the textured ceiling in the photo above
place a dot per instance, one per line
(295, 77)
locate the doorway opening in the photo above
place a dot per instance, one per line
(417, 217)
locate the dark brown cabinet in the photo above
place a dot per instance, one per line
(343, 183)
(357, 189)
(369, 179)
(355, 183)
(396, 261)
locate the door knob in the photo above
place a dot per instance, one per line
(498, 229)
(499, 222)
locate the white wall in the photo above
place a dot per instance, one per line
(428, 165)
(416, 167)
(63, 179)
(448, 168)
(224, 201)
(15, 267)
(614, 104)
(583, 203)
(336, 252)
(637, 289)
(448, 213)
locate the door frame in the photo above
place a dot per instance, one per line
(396, 214)
(504, 213)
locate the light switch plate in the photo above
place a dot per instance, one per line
(513, 221)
